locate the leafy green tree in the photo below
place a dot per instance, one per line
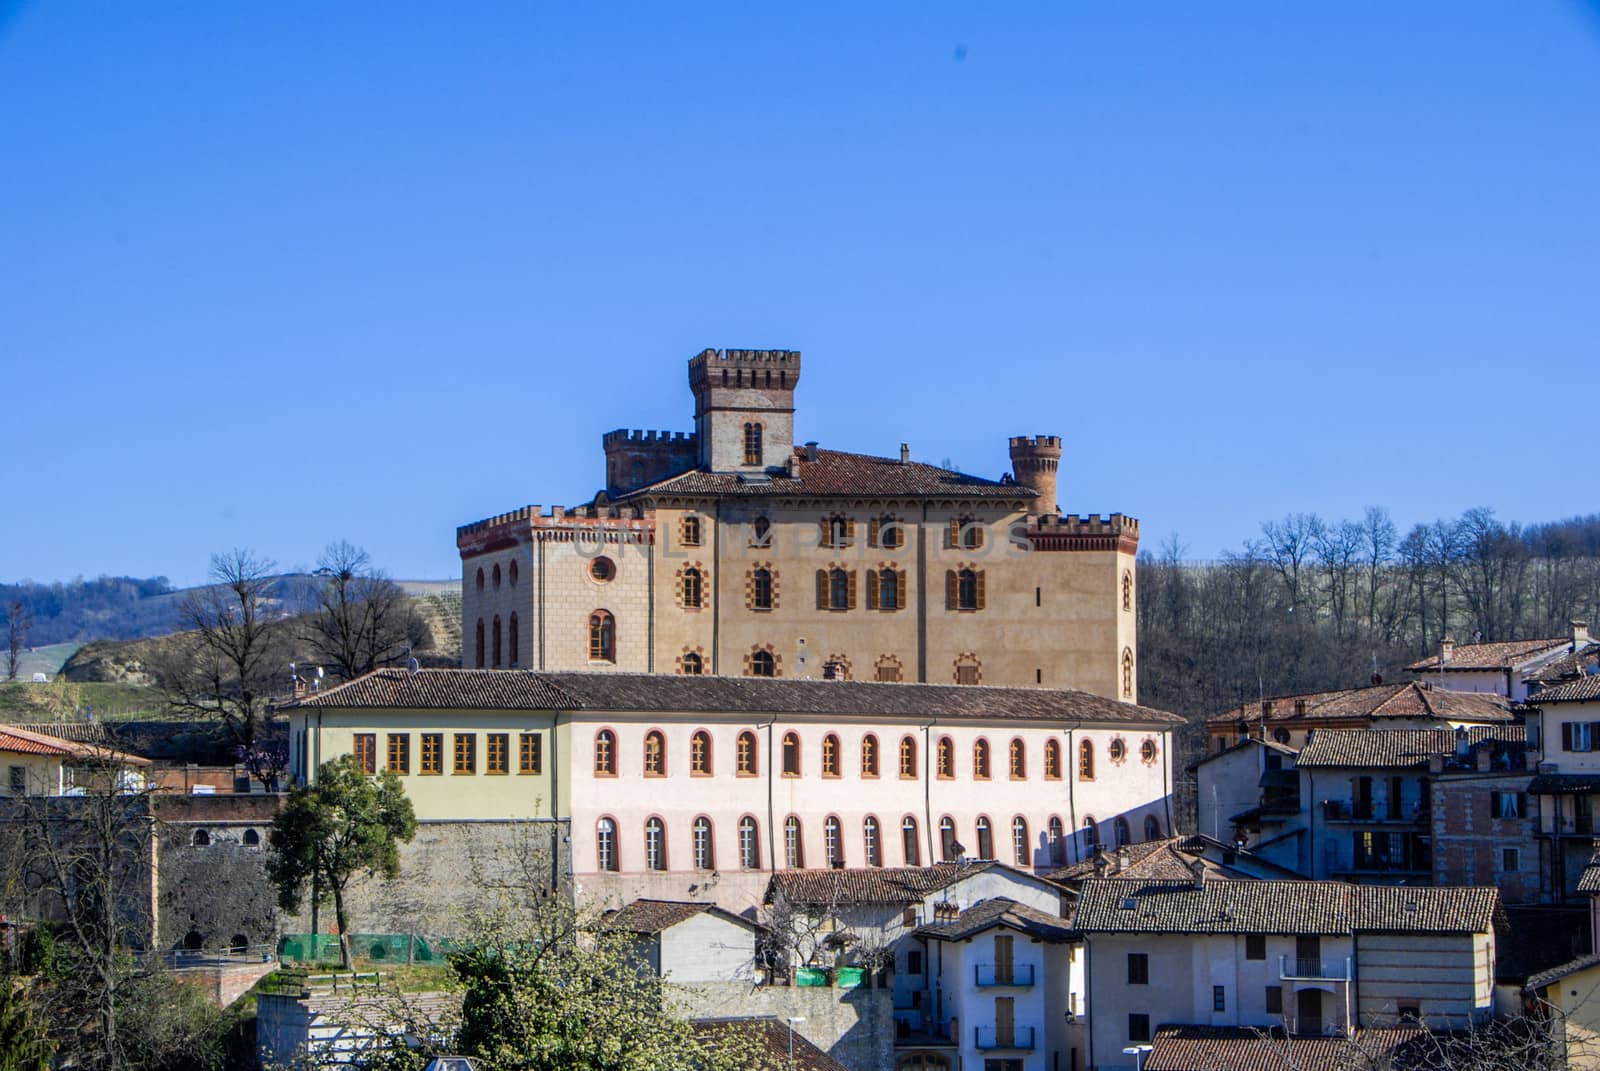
(23, 1044)
(345, 826)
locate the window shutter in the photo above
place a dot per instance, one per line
(872, 589)
(849, 531)
(850, 591)
(1566, 736)
(954, 538)
(1522, 805)
(826, 530)
(1494, 806)
(952, 589)
(904, 592)
(822, 589)
(979, 574)
(874, 527)
(977, 538)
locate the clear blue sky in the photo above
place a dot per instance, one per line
(277, 274)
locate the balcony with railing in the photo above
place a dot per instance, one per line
(1312, 1026)
(1568, 825)
(1369, 814)
(1313, 969)
(986, 1038)
(987, 975)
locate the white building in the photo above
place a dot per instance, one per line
(1314, 958)
(1567, 785)
(1502, 668)
(690, 943)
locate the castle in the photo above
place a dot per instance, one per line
(733, 550)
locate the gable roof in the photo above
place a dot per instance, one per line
(1000, 911)
(1244, 742)
(770, 1037)
(1116, 905)
(524, 689)
(1502, 654)
(1151, 860)
(31, 742)
(878, 885)
(653, 916)
(1405, 749)
(1575, 663)
(1555, 974)
(1240, 1048)
(1411, 699)
(1574, 691)
(836, 472)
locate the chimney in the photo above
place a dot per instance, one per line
(1198, 868)
(1447, 647)
(1580, 634)
(811, 450)
(1463, 743)
(1436, 764)
(1101, 862)
(1124, 859)
(905, 453)
(1485, 756)
(793, 465)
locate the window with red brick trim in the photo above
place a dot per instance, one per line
(980, 760)
(700, 753)
(869, 756)
(908, 758)
(655, 754)
(1052, 760)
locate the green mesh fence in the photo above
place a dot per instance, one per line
(376, 947)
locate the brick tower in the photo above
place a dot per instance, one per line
(744, 408)
(1034, 462)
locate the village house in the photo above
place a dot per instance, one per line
(1292, 720)
(1511, 668)
(1568, 778)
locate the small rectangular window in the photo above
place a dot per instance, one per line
(466, 753)
(1138, 968)
(18, 780)
(530, 754)
(498, 755)
(1138, 1027)
(365, 748)
(914, 962)
(1219, 998)
(1510, 860)
(1274, 1000)
(1255, 946)
(400, 753)
(432, 753)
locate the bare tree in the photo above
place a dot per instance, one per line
(363, 619)
(18, 621)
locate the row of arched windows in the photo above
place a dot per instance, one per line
(1052, 850)
(747, 762)
(495, 648)
(511, 571)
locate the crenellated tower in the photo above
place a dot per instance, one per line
(744, 408)
(1035, 460)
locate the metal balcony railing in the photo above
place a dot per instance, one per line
(999, 974)
(988, 1037)
(1581, 825)
(1313, 969)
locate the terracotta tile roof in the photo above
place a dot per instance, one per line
(1590, 882)
(1555, 974)
(1233, 1048)
(521, 689)
(1151, 860)
(1410, 748)
(653, 916)
(30, 741)
(1505, 654)
(1115, 905)
(22, 742)
(870, 885)
(1411, 699)
(1573, 664)
(1576, 691)
(769, 1038)
(84, 732)
(1000, 911)
(835, 472)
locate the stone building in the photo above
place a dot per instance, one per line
(736, 551)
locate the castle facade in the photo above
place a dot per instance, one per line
(732, 550)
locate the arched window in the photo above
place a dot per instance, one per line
(910, 842)
(516, 641)
(1127, 590)
(888, 589)
(497, 576)
(791, 754)
(605, 844)
(838, 589)
(700, 753)
(1058, 841)
(752, 444)
(870, 841)
(761, 532)
(967, 589)
(691, 588)
(745, 762)
(511, 571)
(497, 641)
(908, 758)
(1052, 760)
(605, 753)
(478, 643)
(655, 844)
(869, 756)
(985, 838)
(749, 843)
(949, 847)
(1091, 831)
(794, 855)
(202, 838)
(1021, 850)
(480, 578)
(602, 637)
(830, 756)
(980, 760)
(705, 857)
(691, 531)
(1124, 834)
(761, 589)
(693, 664)
(1152, 827)
(655, 754)
(947, 757)
(832, 842)
(762, 664)
(1018, 756)
(1127, 673)
(1086, 761)
(252, 839)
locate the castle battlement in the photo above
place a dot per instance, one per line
(1036, 442)
(558, 523)
(1116, 532)
(625, 437)
(745, 368)
(1115, 524)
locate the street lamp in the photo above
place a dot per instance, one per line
(1138, 1052)
(791, 1020)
